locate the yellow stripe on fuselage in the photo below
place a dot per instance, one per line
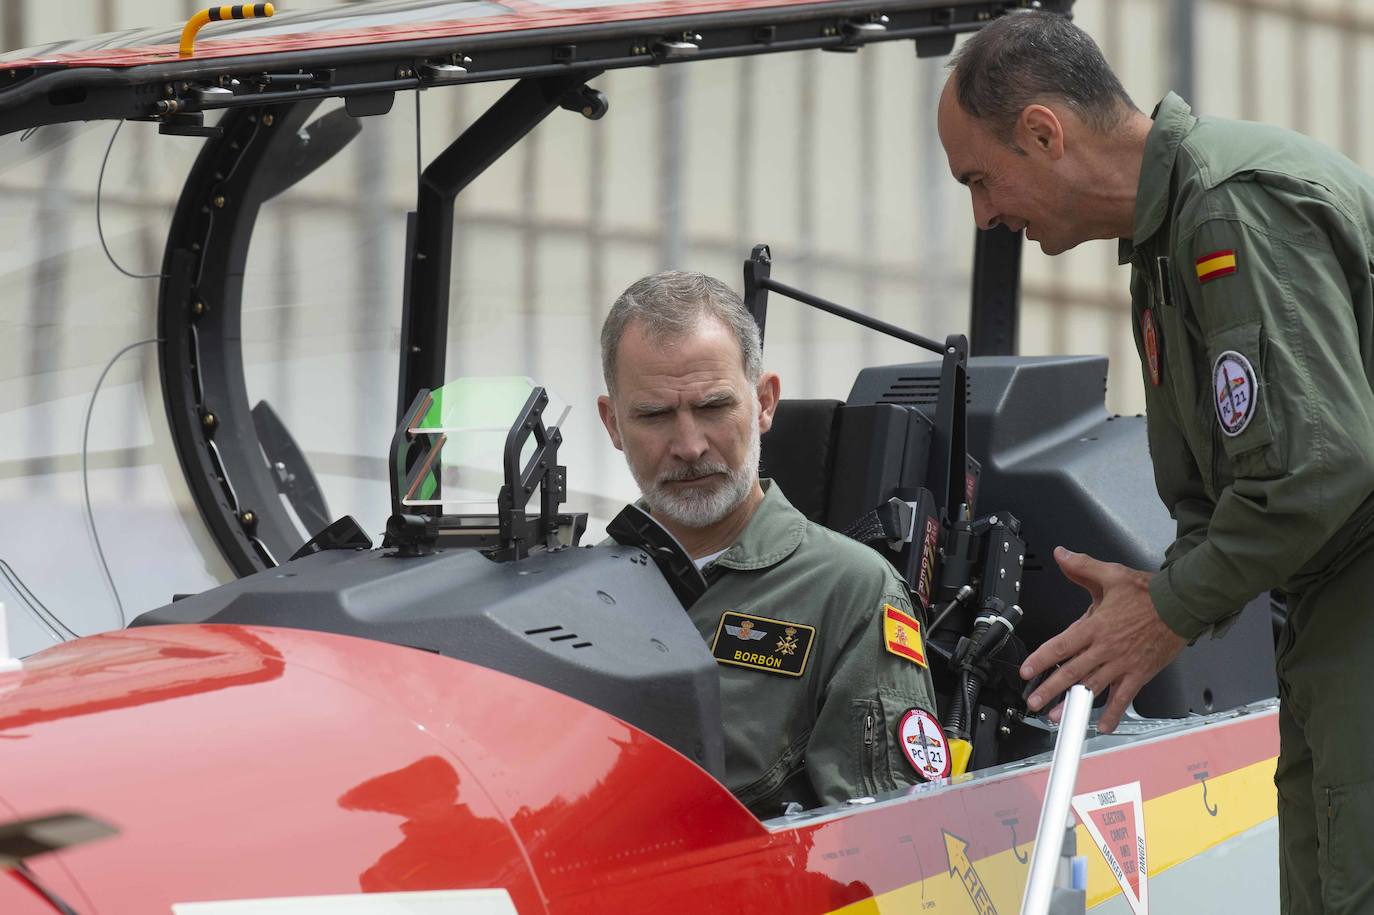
(1177, 828)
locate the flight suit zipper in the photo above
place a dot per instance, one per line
(1329, 836)
(868, 753)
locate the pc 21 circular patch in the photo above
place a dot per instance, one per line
(923, 744)
(1233, 383)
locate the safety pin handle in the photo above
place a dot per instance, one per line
(218, 14)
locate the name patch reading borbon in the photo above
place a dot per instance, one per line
(777, 646)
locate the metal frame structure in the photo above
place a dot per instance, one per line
(429, 236)
(996, 303)
(269, 98)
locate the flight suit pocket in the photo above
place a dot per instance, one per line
(1346, 847)
(784, 780)
(1237, 395)
(866, 722)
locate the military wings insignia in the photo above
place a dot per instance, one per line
(745, 630)
(738, 633)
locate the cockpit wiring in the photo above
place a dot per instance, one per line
(85, 478)
(99, 228)
(36, 608)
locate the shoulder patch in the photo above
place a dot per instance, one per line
(1233, 382)
(923, 744)
(1149, 333)
(777, 646)
(1216, 264)
(902, 635)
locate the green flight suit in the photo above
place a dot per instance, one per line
(829, 733)
(1253, 304)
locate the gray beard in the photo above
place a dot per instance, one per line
(703, 506)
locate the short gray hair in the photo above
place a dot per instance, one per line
(670, 305)
(1027, 57)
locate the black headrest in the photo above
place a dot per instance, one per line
(799, 451)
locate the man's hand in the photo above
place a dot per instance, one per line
(1119, 643)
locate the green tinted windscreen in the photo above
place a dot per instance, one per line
(475, 416)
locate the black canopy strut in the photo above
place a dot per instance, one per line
(429, 230)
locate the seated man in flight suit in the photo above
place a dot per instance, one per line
(822, 670)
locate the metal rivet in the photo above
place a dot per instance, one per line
(218, 201)
(197, 308)
(248, 518)
(267, 120)
(209, 421)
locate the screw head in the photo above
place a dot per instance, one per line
(267, 120)
(218, 201)
(197, 308)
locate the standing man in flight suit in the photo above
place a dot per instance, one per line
(825, 693)
(1253, 306)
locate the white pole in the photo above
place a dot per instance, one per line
(6, 662)
(1049, 838)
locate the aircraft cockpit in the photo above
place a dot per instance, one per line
(289, 415)
(302, 314)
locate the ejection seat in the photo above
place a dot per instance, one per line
(835, 462)
(1051, 455)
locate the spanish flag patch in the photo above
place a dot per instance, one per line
(1218, 263)
(902, 635)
